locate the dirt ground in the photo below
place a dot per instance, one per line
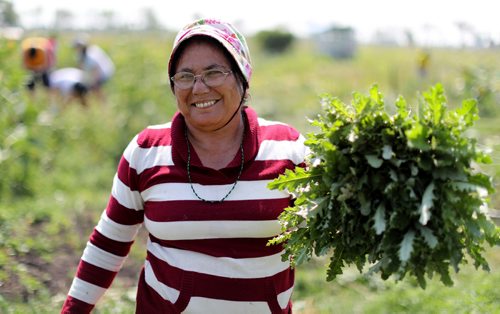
(56, 274)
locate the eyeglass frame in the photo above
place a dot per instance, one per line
(201, 76)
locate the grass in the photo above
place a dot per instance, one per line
(57, 166)
(357, 293)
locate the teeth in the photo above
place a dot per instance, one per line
(205, 104)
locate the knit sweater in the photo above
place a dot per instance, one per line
(201, 257)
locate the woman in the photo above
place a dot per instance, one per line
(199, 186)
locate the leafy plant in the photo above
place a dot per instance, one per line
(399, 193)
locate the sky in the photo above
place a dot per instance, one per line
(430, 21)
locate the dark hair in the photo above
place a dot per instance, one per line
(205, 39)
(82, 53)
(32, 52)
(79, 89)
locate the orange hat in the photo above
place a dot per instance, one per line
(37, 53)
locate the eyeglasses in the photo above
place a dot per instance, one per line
(211, 78)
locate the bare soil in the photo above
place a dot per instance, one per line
(56, 274)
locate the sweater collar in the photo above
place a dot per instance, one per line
(250, 140)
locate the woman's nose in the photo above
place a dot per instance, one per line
(199, 86)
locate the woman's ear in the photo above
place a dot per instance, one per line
(246, 96)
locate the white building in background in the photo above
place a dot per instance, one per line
(338, 42)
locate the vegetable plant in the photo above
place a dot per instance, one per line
(393, 194)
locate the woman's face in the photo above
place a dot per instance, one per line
(206, 108)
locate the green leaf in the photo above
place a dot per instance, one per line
(291, 178)
(402, 107)
(468, 112)
(445, 277)
(450, 173)
(417, 137)
(387, 152)
(316, 206)
(489, 228)
(421, 280)
(426, 205)
(375, 95)
(374, 161)
(302, 257)
(335, 266)
(380, 219)
(428, 236)
(436, 103)
(466, 187)
(406, 246)
(365, 207)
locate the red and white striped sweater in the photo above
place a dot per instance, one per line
(201, 257)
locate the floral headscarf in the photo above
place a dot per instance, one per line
(224, 33)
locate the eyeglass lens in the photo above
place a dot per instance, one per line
(211, 78)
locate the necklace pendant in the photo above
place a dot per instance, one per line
(212, 202)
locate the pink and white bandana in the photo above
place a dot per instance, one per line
(224, 33)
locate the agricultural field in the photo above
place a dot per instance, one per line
(57, 164)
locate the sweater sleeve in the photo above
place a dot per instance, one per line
(110, 241)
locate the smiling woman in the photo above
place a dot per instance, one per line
(213, 105)
(198, 184)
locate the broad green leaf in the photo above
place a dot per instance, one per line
(468, 111)
(380, 219)
(467, 187)
(318, 205)
(450, 173)
(414, 170)
(421, 280)
(402, 107)
(489, 229)
(360, 102)
(427, 203)
(335, 266)
(301, 257)
(436, 104)
(393, 175)
(417, 137)
(340, 108)
(406, 246)
(365, 207)
(376, 96)
(445, 276)
(387, 152)
(374, 161)
(290, 178)
(428, 236)
(484, 159)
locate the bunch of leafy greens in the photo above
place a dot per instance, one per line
(397, 193)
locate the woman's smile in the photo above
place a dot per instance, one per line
(205, 104)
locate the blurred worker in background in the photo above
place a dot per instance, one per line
(64, 85)
(423, 61)
(97, 66)
(39, 57)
